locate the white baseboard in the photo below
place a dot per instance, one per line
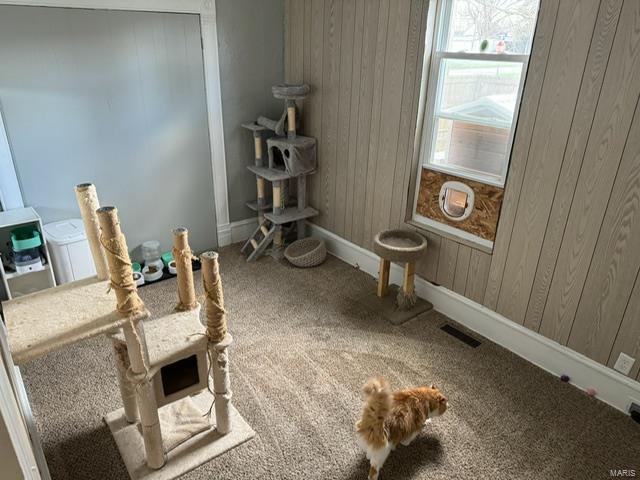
(613, 388)
(234, 232)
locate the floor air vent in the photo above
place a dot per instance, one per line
(460, 335)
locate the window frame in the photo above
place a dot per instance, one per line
(434, 84)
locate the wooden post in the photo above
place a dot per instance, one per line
(129, 304)
(383, 277)
(277, 198)
(301, 191)
(182, 255)
(87, 199)
(219, 339)
(291, 119)
(261, 197)
(258, 154)
(278, 238)
(408, 285)
(257, 148)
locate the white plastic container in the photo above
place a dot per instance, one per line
(151, 255)
(69, 249)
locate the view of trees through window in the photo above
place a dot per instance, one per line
(479, 58)
(505, 25)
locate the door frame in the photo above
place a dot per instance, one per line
(10, 194)
(206, 10)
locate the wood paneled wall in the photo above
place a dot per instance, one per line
(566, 257)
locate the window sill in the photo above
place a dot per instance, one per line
(428, 225)
(463, 173)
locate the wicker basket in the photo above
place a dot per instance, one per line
(307, 252)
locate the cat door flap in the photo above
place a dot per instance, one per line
(456, 200)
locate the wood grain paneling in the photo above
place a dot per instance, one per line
(545, 28)
(344, 111)
(479, 265)
(565, 67)
(616, 260)
(387, 142)
(580, 128)
(314, 101)
(462, 269)
(358, 33)
(628, 339)
(427, 266)
(447, 263)
(606, 142)
(409, 110)
(327, 169)
(371, 18)
(376, 114)
(565, 259)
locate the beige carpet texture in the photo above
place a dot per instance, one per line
(303, 347)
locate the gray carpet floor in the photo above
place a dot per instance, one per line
(303, 347)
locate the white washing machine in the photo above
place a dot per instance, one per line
(69, 249)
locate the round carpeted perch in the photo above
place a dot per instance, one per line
(404, 246)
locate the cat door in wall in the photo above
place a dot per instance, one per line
(456, 200)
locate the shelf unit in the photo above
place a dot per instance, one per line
(17, 284)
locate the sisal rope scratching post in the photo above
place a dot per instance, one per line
(214, 302)
(129, 304)
(219, 339)
(407, 297)
(182, 254)
(291, 118)
(87, 199)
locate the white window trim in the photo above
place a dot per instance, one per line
(426, 117)
(206, 10)
(434, 79)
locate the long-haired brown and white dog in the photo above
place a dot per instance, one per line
(389, 418)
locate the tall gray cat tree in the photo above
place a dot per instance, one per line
(291, 158)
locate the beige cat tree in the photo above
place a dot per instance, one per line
(166, 367)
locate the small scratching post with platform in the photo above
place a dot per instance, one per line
(404, 247)
(166, 426)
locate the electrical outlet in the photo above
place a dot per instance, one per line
(624, 364)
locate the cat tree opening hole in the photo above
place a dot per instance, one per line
(179, 375)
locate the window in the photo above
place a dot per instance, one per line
(478, 63)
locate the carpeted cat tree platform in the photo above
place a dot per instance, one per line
(173, 372)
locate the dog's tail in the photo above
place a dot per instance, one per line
(375, 410)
